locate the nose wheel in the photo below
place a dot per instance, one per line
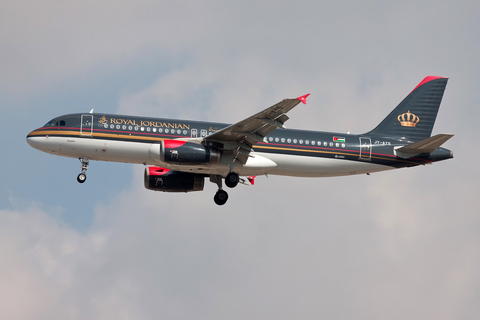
(82, 176)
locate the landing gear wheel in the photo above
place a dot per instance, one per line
(231, 180)
(81, 177)
(220, 197)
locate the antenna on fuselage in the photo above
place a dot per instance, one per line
(91, 111)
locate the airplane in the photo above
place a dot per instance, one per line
(180, 154)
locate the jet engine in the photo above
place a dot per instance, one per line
(161, 179)
(187, 153)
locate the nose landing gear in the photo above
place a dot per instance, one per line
(82, 176)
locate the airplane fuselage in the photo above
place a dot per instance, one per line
(301, 153)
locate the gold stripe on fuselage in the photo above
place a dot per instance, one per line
(333, 152)
(305, 150)
(95, 134)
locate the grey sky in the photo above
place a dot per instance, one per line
(402, 244)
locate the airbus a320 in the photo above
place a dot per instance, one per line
(180, 154)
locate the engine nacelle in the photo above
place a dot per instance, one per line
(187, 153)
(161, 179)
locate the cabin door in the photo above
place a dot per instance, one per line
(365, 148)
(86, 125)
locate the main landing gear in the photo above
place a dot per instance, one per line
(220, 197)
(82, 176)
(231, 181)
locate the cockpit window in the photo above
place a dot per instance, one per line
(51, 123)
(55, 123)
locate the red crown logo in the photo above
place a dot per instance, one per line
(408, 119)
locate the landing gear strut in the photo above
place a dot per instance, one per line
(221, 196)
(82, 176)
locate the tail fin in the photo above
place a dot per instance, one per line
(415, 116)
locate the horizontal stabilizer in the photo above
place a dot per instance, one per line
(425, 146)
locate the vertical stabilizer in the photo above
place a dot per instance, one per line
(415, 116)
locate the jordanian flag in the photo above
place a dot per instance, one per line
(337, 139)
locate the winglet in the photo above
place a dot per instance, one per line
(304, 98)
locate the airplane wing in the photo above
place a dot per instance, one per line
(244, 134)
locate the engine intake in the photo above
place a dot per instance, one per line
(187, 153)
(161, 179)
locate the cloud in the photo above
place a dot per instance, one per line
(153, 254)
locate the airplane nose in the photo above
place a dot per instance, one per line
(32, 141)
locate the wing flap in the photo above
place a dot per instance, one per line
(241, 154)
